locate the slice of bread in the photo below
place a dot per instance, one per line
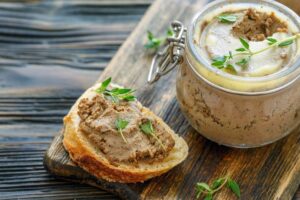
(84, 153)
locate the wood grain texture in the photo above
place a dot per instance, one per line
(270, 172)
(50, 52)
(41, 78)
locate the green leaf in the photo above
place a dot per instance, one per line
(244, 43)
(170, 32)
(198, 192)
(147, 128)
(241, 49)
(129, 98)
(231, 68)
(286, 43)
(271, 40)
(120, 90)
(150, 35)
(208, 196)
(230, 55)
(123, 94)
(234, 187)
(219, 62)
(103, 86)
(227, 18)
(203, 186)
(153, 44)
(121, 124)
(217, 183)
(242, 62)
(116, 94)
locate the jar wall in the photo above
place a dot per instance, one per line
(237, 120)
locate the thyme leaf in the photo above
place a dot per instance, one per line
(286, 43)
(147, 129)
(155, 42)
(223, 62)
(104, 85)
(227, 18)
(271, 40)
(203, 186)
(208, 196)
(230, 67)
(116, 94)
(219, 62)
(234, 187)
(121, 124)
(241, 49)
(243, 62)
(218, 184)
(245, 43)
(170, 32)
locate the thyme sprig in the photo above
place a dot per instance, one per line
(147, 129)
(116, 94)
(246, 53)
(156, 42)
(121, 124)
(218, 184)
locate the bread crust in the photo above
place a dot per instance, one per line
(85, 157)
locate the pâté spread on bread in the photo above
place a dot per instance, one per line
(98, 117)
(112, 136)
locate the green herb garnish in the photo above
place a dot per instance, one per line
(241, 49)
(286, 43)
(243, 62)
(148, 129)
(116, 94)
(223, 62)
(227, 18)
(104, 85)
(220, 62)
(245, 44)
(121, 124)
(271, 40)
(155, 42)
(209, 191)
(170, 32)
(231, 68)
(234, 187)
(246, 53)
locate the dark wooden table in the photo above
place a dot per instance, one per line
(50, 52)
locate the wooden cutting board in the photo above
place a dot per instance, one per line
(270, 172)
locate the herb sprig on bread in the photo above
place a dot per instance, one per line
(116, 94)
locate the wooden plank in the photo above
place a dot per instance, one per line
(30, 62)
(270, 172)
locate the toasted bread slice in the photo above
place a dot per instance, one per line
(84, 153)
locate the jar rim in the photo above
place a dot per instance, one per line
(191, 47)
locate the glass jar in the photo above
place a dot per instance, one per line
(232, 110)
